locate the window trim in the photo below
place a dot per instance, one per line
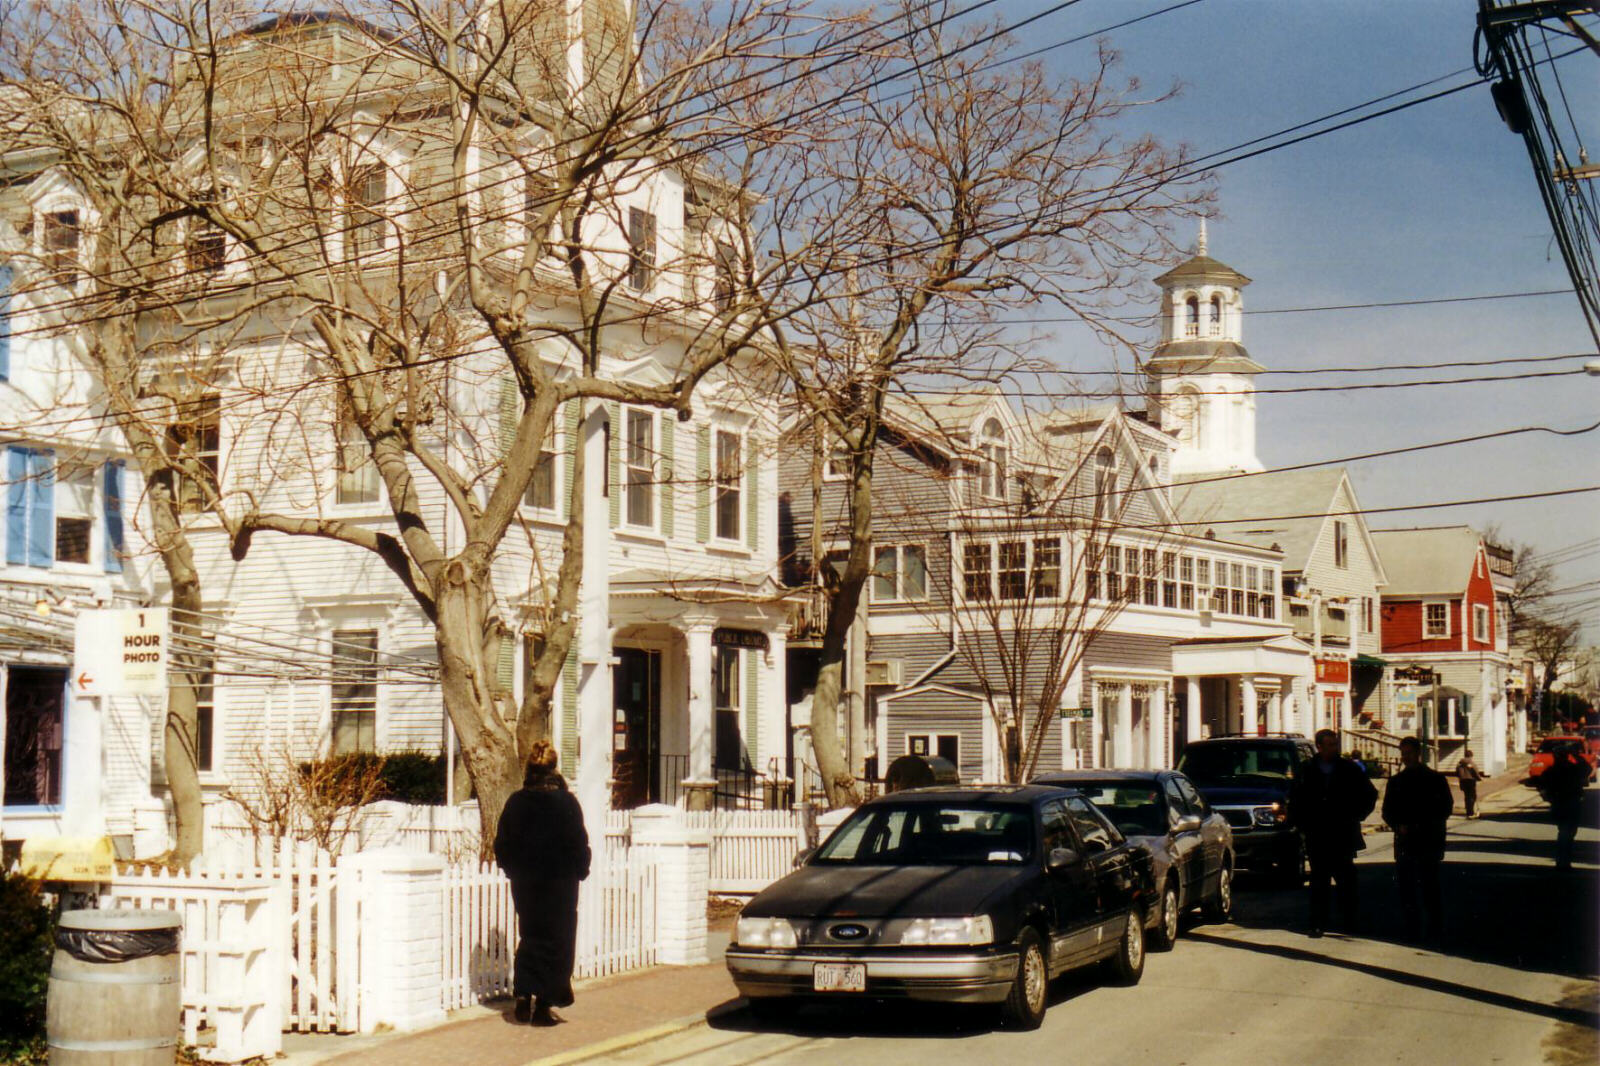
(933, 739)
(343, 418)
(652, 480)
(1426, 633)
(643, 269)
(1341, 544)
(1480, 614)
(900, 595)
(550, 446)
(725, 486)
(339, 641)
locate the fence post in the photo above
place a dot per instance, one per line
(681, 856)
(402, 938)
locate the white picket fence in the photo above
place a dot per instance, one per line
(749, 849)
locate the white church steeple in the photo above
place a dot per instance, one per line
(1202, 381)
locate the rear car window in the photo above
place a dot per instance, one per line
(1237, 763)
(1137, 810)
(931, 834)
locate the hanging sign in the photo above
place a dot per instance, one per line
(740, 638)
(121, 652)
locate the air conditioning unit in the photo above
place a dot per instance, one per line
(884, 672)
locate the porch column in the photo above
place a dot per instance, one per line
(596, 694)
(700, 784)
(1275, 711)
(1122, 730)
(1155, 734)
(1248, 715)
(1346, 720)
(1193, 710)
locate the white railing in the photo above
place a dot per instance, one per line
(749, 849)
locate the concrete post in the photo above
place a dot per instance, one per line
(402, 938)
(700, 784)
(682, 858)
(1249, 716)
(1194, 711)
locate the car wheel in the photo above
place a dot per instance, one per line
(1220, 906)
(1030, 992)
(1166, 931)
(1127, 965)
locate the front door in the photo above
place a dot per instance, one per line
(636, 728)
(34, 698)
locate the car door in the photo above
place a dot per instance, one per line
(1072, 889)
(1214, 832)
(1188, 855)
(1111, 866)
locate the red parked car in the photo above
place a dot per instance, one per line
(1550, 745)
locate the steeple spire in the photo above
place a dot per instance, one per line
(1200, 245)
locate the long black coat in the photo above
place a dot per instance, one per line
(1416, 805)
(543, 848)
(1328, 808)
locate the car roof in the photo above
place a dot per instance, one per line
(1069, 777)
(1296, 740)
(1018, 795)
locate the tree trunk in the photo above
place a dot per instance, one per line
(181, 734)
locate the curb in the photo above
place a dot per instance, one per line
(623, 1042)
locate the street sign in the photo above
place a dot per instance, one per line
(121, 652)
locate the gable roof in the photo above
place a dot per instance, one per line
(1423, 562)
(1247, 508)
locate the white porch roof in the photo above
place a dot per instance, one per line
(1283, 655)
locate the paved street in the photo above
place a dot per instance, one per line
(1514, 982)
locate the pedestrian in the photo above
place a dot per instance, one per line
(1467, 776)
(1416, 806)
(1327, 801)
(543, 848)
(1562, 786)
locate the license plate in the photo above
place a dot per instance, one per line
(839, 977)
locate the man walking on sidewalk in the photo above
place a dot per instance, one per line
(1327, 801)
(1467, 776)
(1416, 805)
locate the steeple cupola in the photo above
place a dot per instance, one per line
(1201, 379)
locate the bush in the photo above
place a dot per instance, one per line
(27, 938)
(406, 776)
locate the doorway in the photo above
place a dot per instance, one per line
(636, 728)
(35, 699)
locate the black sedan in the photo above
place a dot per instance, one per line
(966, 895)
(1190, 843)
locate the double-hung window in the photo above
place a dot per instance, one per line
(196, 437)
(354, 692)
(60, 237)
(541, 491)
(357, 472)
(74, 515)
(366, 193)
(1150, 585)
(1186, 582)
(725, 267)
(899, 573)
(975, 571)
(725, 701)
(1480, 623)
(1435, 621)
(1169, 579)
(1047, 568)
(1013, 570)
(641, 249)
(639, 473)
(729, 476)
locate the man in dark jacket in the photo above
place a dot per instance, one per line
(543, 848)
(1562, 787)
(1327, 801)
(1416, 805)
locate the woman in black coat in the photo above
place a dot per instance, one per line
(544, 850)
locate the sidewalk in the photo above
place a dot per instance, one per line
(610, 1014)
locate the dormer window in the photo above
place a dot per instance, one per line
(60, 235)
(992, 471)
(1191, 321)
(1216, 315)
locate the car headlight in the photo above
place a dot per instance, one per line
(1270, 816)
(943, 931)
(764, 933)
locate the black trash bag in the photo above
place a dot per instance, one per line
(117, 945)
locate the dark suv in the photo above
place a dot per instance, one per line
(1247, 778)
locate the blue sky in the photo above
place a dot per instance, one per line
(1435, 201)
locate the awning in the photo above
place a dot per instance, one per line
(1369, 662)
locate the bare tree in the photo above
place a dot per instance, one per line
(1550, 644)
(940, 189)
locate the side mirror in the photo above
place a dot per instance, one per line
(1186, 823)
(1060, 857)
(803, 857)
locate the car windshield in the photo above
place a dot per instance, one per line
(1135, 809)
(1221, 764)
(931, 834)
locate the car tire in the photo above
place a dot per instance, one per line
(1127, 965)
(1030, 993)
(1165, 934)
(1219, 908)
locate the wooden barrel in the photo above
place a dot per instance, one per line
(115, 998)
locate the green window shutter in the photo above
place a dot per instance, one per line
(702, 485)
(752, 706)
(614, 461)
(510, 412)
(669, 440)
(574, 410)
(505, 664)
(569, 711)
(752, 494)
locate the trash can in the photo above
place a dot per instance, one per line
(919, 771)
(115, 993)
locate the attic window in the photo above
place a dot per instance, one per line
(1191, 322)
(992, 472)
(59, 233)
(1105, 482)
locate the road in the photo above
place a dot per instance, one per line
(1513, 982)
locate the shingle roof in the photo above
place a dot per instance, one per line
(1254, 501)
(1203, 356)
(1422, 562)
(1204, 267)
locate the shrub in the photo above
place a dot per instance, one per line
(406, 776)
(27, 936)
